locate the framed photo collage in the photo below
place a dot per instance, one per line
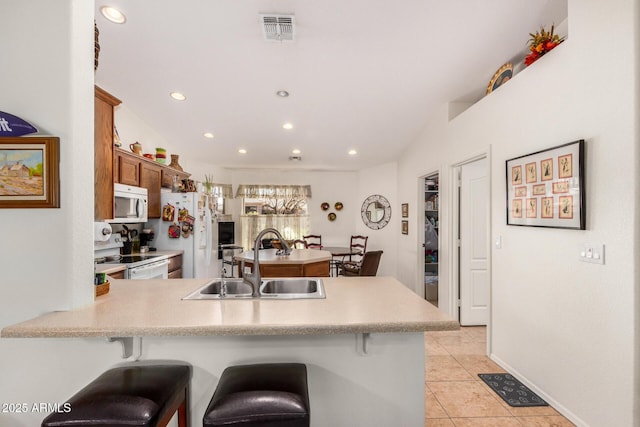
(546, 188)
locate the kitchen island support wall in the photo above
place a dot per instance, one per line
(347, 388)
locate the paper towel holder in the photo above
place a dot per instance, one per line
(101, 231)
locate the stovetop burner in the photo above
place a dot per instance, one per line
(127, 259)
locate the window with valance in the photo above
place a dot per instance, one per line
(283, 207)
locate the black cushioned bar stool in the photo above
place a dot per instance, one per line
(132, 395)
(261, 395)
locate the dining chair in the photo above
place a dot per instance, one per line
(358, 248)
(368, 266)
(312, 241)
(299, 244)
(358, 243)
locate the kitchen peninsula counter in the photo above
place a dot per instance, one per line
(363, 345)
(155, 308)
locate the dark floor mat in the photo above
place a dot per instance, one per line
(511, 390)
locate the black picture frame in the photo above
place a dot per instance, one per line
(405, 210)
(547, 188)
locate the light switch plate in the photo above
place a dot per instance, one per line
(592, 253)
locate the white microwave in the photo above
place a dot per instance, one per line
(130, 204)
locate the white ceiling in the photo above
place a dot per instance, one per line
(363, 74)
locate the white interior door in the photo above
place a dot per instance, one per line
(474, 244)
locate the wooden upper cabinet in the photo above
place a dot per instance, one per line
(104, 104)
(128, 170)
(132, 169)
(117, 165)
(151, 179)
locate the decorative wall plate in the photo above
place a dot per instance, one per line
(501, 76)
(376, 212)
(332, 216)
(324, 206)
(338, 206)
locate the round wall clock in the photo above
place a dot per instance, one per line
(376, 212)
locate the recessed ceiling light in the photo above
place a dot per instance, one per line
(352, 152)
(178, 96)
(295, 151)
(282, 93)
(242, 151)
(208, 135)
(287, 126)
(113, 14)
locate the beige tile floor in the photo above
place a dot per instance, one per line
(457, 397)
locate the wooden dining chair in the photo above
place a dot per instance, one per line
(358, 243)
(312, 241)
(299, 244)
(368, 266)
(358, 248)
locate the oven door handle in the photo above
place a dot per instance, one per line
(152, 265)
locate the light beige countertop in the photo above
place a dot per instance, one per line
(110, 268)
(115, 267)
(297, 256)
(156, 308)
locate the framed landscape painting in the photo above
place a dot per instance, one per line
(29, 172)
(552, 193)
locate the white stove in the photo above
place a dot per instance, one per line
(138, 266)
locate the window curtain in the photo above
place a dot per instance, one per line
(257, 191)
(219, 190)
(290, 226)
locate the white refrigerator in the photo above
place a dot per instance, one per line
(199, 245)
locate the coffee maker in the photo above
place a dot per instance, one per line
(146, 237)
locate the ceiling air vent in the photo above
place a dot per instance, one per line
(278, 27)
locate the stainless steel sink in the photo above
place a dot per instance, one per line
(285, 288)
(292, 288)
(236, 288)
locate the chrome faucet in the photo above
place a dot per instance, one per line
(254, 278)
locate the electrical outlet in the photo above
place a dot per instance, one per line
(592, 253)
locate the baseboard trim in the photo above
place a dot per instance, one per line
(554, 403)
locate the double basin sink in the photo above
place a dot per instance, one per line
(285, 288)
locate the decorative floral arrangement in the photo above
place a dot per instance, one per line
(540, 43)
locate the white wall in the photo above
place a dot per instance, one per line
(131, 128)
(381, 180)
(47, 254)
(563, 326)
(426, 156)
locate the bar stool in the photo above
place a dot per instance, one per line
(261, 395)
(132, 395)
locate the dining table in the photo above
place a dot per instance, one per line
(339, 252)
